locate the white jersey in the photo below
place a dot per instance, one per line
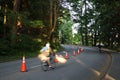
(45, 49)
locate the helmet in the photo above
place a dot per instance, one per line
(48, 45)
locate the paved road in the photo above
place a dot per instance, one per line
(89, 65)
(114, 70)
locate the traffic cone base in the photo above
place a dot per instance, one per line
(55, 60)
(66, 57)
(24, 68)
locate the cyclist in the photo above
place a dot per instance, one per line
(46, 53)
(99, 46)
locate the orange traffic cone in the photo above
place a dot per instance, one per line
(23, 67)
(78, 51)
(55, 60)
(82, 49)
(66, 55)
(74, 53)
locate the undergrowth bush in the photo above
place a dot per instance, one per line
(24, 43)
(27, 43)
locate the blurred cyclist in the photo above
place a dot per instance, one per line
(99, 46)
(46, 53)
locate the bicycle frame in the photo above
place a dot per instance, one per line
(45, 65)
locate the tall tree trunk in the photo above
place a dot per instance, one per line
(81, 31)
(53, 18)
(86, 30)
(95, 39)
(16, 7)
(82, 37)
(4, 22)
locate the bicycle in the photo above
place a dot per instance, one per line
(45, 65)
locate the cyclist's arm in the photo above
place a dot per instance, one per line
(51, 51)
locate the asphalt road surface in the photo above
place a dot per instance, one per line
(88, 65)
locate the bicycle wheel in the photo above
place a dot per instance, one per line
(53, 63)
(44, 65)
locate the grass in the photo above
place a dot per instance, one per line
(18, 56)
(6, 58)
(115, 49)
(118, 49)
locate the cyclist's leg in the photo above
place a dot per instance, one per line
(48, 60)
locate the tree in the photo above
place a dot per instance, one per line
(65, 27)
(107, 21)
(16, 7)
(53, 17)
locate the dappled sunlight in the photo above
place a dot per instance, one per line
(61, 59)
(96, 72)
(107, 77)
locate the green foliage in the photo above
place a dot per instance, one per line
(66, 29)
(39, 10)
(26, 43)
(5, 48)
(1, 22)
(11, 19)
(101, 18)
(36, 24)
(33, 32)
(108, 22)
(77, 39)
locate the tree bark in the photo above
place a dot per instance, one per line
(51, 7)
(16, 7)
(86, 30)
(53, 18)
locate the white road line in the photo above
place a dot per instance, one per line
(35, 66)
